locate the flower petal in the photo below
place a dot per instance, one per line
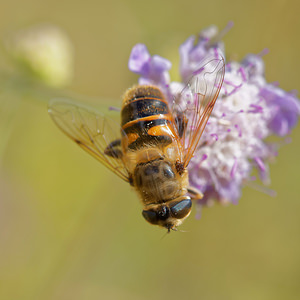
(138, 58)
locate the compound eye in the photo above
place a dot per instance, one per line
(181, 209)
(150, 216)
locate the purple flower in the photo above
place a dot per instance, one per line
(284, 107)
(191, 54)
(152, 70)
(247, 112)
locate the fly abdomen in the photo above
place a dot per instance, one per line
(146, 118)
(141, 102)
(143, 107)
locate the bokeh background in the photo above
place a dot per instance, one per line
(70, 229)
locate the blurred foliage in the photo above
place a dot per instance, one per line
(69, 229)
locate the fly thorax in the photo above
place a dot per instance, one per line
(158, 181)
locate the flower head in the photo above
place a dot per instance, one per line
(247, 111)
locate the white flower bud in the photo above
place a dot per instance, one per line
(43, 52)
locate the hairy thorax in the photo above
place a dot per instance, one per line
(157, 179)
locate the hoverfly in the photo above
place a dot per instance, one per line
(153, 146)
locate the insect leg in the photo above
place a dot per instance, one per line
(195, 194)
(113, 149)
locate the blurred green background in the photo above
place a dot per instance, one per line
(70, 229)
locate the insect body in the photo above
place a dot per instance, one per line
(153, 154)
(156, 143)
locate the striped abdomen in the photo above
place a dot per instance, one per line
(146, 119)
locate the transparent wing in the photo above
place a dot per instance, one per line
(91, 130)
(193, 106)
